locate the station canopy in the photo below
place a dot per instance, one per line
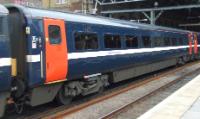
(183, 14)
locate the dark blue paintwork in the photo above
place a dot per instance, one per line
(5, 71)
(111, 63)
(34, 69)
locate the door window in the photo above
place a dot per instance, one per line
(54, 34)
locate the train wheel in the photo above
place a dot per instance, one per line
(62, 99)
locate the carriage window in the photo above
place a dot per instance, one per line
(112, 41)
(167, 41)
(146, 41)
(131, 42)
(185, 41)
(174, 42)
(158, 41)
(181, 41)
(54, 34)
(86, 41)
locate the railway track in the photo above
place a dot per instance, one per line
(126, 106)
(61, 111)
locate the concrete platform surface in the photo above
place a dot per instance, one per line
(183, 104)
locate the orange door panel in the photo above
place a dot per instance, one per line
(56, 50)
(190, 43)
(195, 44)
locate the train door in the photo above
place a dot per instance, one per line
(195, 44)
(190, 37)
(56, 58)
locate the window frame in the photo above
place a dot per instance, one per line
(131, 35)
(82, 50)
(181, 41)
(150, 39)
(169, 42)
(59, 33)
(160, 39)
(174, 39)
(112, 34)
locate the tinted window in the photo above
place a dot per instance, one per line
(167, 41)
(131, 42)
(86, 41)
(185, 41)
(146, 41)
(112, 41)
(158, 41)
(181, 42)
(174, 41)
(54, 34)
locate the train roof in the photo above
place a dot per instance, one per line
(91, 19)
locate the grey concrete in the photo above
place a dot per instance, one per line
(193, 112)
(136, 110)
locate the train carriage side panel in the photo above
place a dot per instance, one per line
(5, 56)
(116, 64)
(119, 61)
(35, 55)
(37, 13)
(5, 60)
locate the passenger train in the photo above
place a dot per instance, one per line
(49, 55)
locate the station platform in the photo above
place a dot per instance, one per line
(182, 104)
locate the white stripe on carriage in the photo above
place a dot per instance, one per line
(33, 58)
(5, 62)
(81, 55)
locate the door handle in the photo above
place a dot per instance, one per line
(47, 65)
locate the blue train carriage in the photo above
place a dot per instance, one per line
(5, 59)
(61, 55)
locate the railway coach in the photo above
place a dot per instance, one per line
(48, 55)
